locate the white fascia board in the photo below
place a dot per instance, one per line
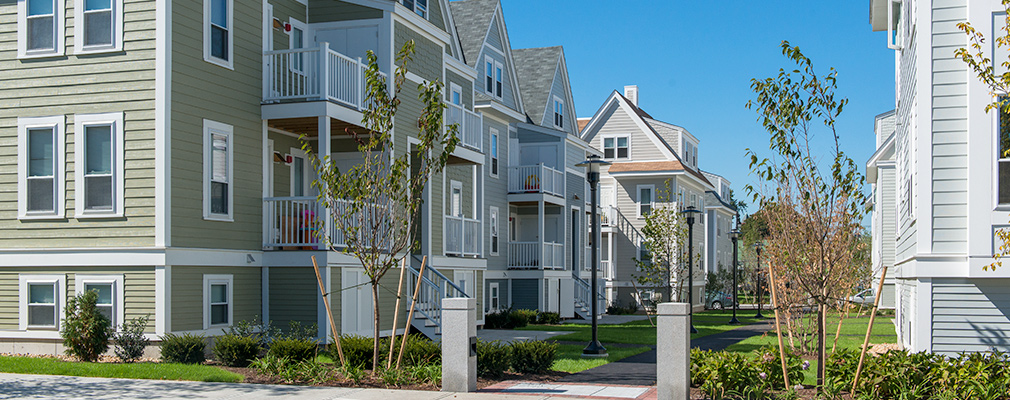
(457, 51)
(541, 129)
(495, 106)
(549, 106)
(592, 127)
(459, 67)
(82, 257)
(507, 44)
(379, 4)
(420, 25)
(563, 65)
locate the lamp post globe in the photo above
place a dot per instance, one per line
(592, 166)
(734, 235)
(690, 212)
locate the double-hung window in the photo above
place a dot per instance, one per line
(217, 300)
(616, 147)
(494, 231)
(41, 299)
(110, 294)
(645, 200)
(296, 40)
(420, 7)
(40, 28)
(1002, 156)
(98, 26)
(498, 80)
(218, 32)
(559, 113)
(493, 77)
(494, 152)
(99, 167)
(40, 168)
(217, 171)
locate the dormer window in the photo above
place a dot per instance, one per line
(559, 113)
(493, 77)
(418, 6)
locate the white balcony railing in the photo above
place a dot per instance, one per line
(292, 223)
(462, 236)
(527, 255)
(608, 215)
(471, 126)
(536, 179)
(315, 73)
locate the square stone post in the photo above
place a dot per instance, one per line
(673, 352)
(459, 345)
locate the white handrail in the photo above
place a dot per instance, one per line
(536, 179)
(470, 125)
(462, 236)
(314, 73)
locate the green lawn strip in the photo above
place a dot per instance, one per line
(641, 332)
(162, 371)
(570, 357)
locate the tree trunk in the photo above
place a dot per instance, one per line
(820, 345)
(375, 328)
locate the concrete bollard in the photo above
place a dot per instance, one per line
(459, 345)
(673, 352)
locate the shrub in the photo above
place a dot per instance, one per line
(85, 330)
(430, 373)
(358, 350)
(130, 340)
(419, 351)
(492, 359)
(549, 318)
(184, 349)
(293, 349)
(721, 374)
(522, 317)
(769, 362)
(497, 320)
(616, 309)
(236, 351)
(289, 371)
(533, 356)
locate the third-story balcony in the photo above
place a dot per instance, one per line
(471, 126)
(311, 74)
(462, 236)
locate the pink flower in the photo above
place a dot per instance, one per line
(763, 375)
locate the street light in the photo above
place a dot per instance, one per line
(757, 249)
(734, 235)
(592, 165)
(690, 211)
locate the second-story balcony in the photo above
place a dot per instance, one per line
(471, 126)
(463, 236)
(314, 73)
(536, 179)
(536, 255)
(294, 223)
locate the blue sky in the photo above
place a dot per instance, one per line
(693, 63)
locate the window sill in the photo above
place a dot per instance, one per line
(95, 215)
(35, 56)
(42, 217)
(219, 218)
(97, 50)
(219, 62)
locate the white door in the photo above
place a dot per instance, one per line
(356, 308)
(606, 196)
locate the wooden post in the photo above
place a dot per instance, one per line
(329, 313)
(396, 314)
(866, 340)
(410, 315)
(778, 327)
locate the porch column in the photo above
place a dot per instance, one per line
(540, 230)
(323, 144)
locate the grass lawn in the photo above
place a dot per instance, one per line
(177, 372)
(570, 357)
(640, 332)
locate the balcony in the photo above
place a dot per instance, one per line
(536, 179)
(528, 255)
(462, 236)
(292, 223)
(470, 123)
(310, 74)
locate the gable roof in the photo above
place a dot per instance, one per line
(656, 166)
(536, 69)
(472, 19)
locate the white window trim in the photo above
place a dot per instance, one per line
(209, 128)
(59, 143)
(117, 293)
(497, 66)
(453, 185)
(60, 297)
(117, 30)
(296, 24)
(454, 88)
(489, 60)
(59, 35)
(208, 280)
(638, 199)
(493, 152)
(554, 110)
(81, 121)
(492, 295)
(615, 137)
(230, 62)
(492, 221)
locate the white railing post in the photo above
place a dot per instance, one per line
(360, 84)
(324, 76)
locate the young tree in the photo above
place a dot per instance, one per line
(813, 214)
(374, 203)
(999, 87)
(665, 242)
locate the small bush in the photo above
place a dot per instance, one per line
(85, 330)
(420, 350)
(184, 349)
(522, 317)
(130, 340)
(549, 318)
(430, 373)
(357, 350)
(289, 371)
(533, 356)
(293, 349)
(616, 309)
(236, 351)
(497, 320)
(492, 359)
(769, 362)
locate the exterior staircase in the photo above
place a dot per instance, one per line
(428, 308)
(583, 294)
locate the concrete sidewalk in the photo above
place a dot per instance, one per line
(19, 386)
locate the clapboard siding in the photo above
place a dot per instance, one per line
(887, 210)
(465, 85)
(495, 195)
(426, 61)
(949, 116)
(968, 315)
(905, 141)
(618, 122)
(69, 85)
(509, 93)
(464, 175)
(905, 314)
(187, 294)
(285, 10)
(333, 10)
(560, 89)
(494, 38)
(294, 295)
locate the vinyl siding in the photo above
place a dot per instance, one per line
(187, 294)
(904, 149)
(495, 190)
(968, 315)
(69, 85)
(494, 38)
(427, 59)
(558, 88)
(201, 90)
(887, 209)
(332, 10)
(465, 85)
(435, 15)
(618, 122)
(138, 290)
(950, 125)
(464, 175)
(508, 91)
(294, 294)
(285, 10)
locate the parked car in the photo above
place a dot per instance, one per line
(718, 300)
(864, 297)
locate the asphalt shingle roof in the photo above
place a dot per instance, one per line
(472, 18)
(535, 68)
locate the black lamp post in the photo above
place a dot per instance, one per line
(690, 211)
(757, 249)
(592, 165)
(734, 235)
